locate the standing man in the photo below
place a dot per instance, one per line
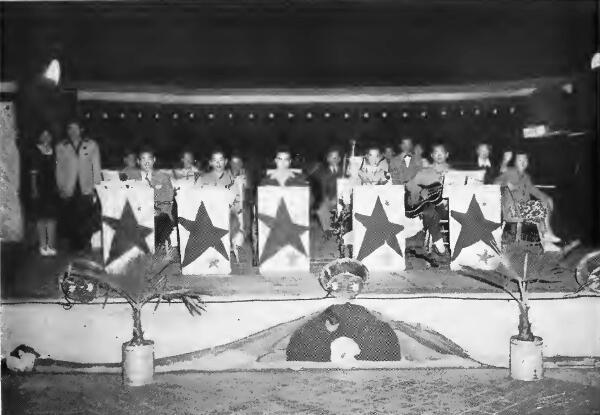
(405, 166)
(484, 151)
(77, 172)
(328, 187)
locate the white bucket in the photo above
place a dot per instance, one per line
(526, 361)
(138, 363)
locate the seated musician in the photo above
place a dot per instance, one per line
(131, 170)
(388, 154)
(188, 170)
(163, 195)
(283, 175)
(219, 176)
(373, 170)
(517, 200)
(405, 166)
(423, 197)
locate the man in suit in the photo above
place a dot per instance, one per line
(163, 195)
(327, 179)
(405, 166)
(77, 171)
(484, 151)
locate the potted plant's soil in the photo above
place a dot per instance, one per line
(526, 360)
(138, 363)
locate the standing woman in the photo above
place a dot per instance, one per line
(44, 192)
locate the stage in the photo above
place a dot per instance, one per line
(439, 318)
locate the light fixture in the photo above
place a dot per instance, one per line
(366, 115)
(52, 72)
(271, 115)
(327, 115)
(512, 110)
(87, 115)
(251, 115)
(104, 115)
(309, 115)
(290, 115)
(175, 116)
(346, 115)
(423, 114)
(444, 112)
(156, 116)
(495, 111)
(405, 114)
(121, 115)
(595, 64)
(230, 115)
(211, 116)
(384, 114)
(477, 111)
(191, 115)
(140, 115)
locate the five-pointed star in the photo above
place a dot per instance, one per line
(203, 235)
(128, 233)
(283, 232)
(474, 228)
(379, 231)
(485, 256)
(214, 263)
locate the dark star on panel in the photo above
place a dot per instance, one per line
(485, 256)
(379, 231)
(283, 232)
(128, 233)
(474, 228)
(203, 235)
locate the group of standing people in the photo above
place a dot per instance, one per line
(63, 177)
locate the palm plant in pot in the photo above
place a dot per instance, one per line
(143, 280)
(520, 268)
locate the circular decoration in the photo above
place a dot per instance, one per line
(588, 272)
(343, 278)
(78, 289)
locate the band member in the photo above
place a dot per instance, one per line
(283, 175)
(517, 200)
(77, 172)
(419, 151)
(219, 176)
(405, 166)
(388, 154)
(188, 170)
(327, 179)
(506, 159)
(434, 211)
(484, 151)
(131, 170)
(373, 169)
(163, 195)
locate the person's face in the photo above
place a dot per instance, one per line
(45, 138)
(333, 158)
(187, 159)
(418, 150)
(236, 165)
(129, 160)
(282, 161)
(147, 161)
(373, 156)
(483, 151)
(406, 145)
(439, 154)
(521, 162)
(217, 162)
(388, 153)
(74, 131)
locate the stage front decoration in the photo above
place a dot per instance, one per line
(283, 218)
(364, 337)
(343, 278)
(475, 228)
(204, 230)
(379, 222)
(127, 222)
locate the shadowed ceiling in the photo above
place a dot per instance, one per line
(301, 43)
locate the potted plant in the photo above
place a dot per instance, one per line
(143, 280)
(521, 267)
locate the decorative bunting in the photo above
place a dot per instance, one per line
(283, 225)
(378, 227)
(127, 222)
(475, 226)
(204, 229)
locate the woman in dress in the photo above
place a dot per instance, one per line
(44, 193)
